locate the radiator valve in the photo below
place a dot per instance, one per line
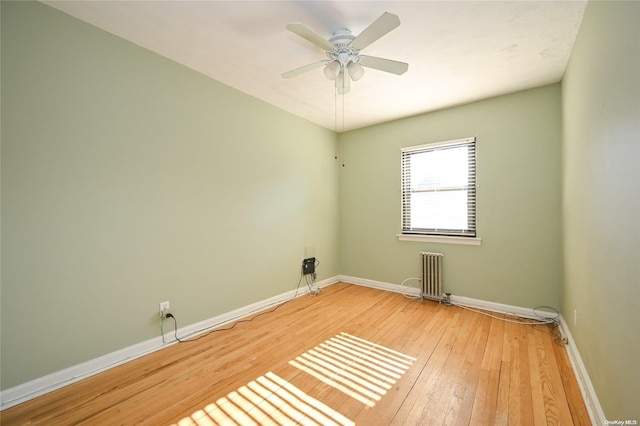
(447, 299)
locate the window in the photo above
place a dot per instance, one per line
(439, 189)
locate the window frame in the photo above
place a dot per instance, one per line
(456, 236)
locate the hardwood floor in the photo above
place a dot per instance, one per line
(351, 355)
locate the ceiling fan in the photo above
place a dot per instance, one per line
(343, 50)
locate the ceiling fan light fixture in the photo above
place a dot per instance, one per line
(355, 71)
(332, 70)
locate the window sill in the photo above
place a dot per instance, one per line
(475, 241)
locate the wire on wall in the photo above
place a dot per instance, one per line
(408, 295)
(310, 280)
(237, 320)
(553, 321)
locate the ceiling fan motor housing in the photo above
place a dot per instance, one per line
(343, 52)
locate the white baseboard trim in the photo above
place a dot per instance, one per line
(586, 387)
(42, 385)
(501, 308)
(596, 414)
(410, 291)
(456, 300)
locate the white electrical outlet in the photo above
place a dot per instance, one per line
(164, 308)
(575, 317)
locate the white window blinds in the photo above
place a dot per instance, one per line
(439, 188)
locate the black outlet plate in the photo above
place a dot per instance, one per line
(309, 266)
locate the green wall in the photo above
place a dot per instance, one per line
(128, 180)
(601, 202)
(519, 199)
(123, 186)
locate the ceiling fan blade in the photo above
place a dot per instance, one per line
(381, 26)
(382, 64)
(304, 69)
(309, 35)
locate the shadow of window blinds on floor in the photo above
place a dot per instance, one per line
(361, 369)
(268, 400)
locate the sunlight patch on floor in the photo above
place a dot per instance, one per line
(364, 370)
(268, 400)
(359, 368)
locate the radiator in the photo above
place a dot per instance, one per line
(432, 276)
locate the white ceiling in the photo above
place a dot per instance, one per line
(458, 51)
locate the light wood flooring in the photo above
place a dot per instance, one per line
(350, 355)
